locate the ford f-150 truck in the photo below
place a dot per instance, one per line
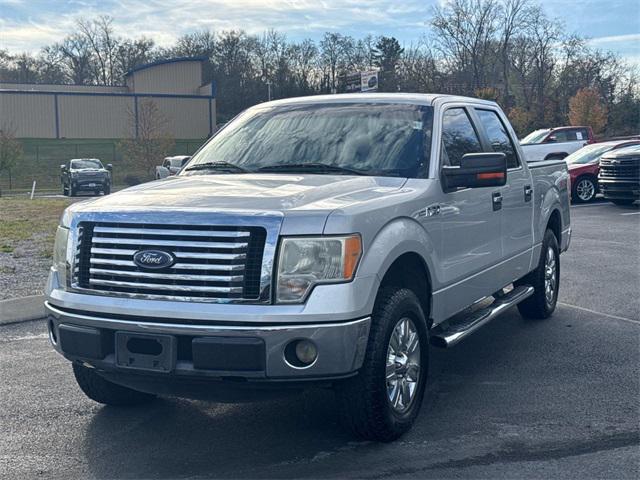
(327, 240)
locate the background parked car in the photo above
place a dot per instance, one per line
(584, 166)
(619, 176)
(171, 166)
(555, 143)
(85, 174)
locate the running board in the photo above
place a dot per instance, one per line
(460, 330)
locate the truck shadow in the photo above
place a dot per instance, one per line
(176, 438)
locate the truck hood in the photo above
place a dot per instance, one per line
(247, 192)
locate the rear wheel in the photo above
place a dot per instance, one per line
(545, 280)
(584, 190)
(72, 191)
(383, 400)
(103, 391)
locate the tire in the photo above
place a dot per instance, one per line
(72, 191)
(103, 391)
(623, 201)
(364, 402)
(539, 305)
(107, 189)
(584, 190)
(65, 191)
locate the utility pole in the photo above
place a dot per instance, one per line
(268, 82)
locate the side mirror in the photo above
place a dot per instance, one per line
(476, 170)
(63, 167)
(109, 167)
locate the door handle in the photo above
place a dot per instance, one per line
(528, 192)
(496, 199)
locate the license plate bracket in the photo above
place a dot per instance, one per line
(144, 351)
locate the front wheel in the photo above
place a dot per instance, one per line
(545, 280)
(584, 190)
(106, 190)
(383, 400)
(101, 390)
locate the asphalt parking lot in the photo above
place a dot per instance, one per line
(519, 399)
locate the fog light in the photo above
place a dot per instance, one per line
(306, 352)
(301, 353)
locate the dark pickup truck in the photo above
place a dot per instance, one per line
(619, 176)
(85, 174)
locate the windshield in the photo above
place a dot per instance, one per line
(85, 163)
(535, 137)
(588, 154)
(363, 139)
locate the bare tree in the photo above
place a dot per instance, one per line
(465, 35)
(76, 58)
(10, 151)
(100, 37)
(149, 140)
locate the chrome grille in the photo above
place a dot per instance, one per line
(212, 262)
(620, 169)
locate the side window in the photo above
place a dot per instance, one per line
(498, 136)
(582, 134)
(458, 136)
(564, 136)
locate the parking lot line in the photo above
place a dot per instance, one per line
(624, 319)
(631, 213)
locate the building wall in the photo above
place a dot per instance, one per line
(93, 116)
(50, 87)
(182, 78)
(96, 112)
(28, 115)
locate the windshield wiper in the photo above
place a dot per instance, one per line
(224, 166)
(314, 167)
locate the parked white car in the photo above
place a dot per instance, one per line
(171, 166)
(555, 143)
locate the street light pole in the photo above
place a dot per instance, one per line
(268, 82)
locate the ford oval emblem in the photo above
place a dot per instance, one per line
(153, 259)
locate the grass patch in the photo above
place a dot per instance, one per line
(23, 220)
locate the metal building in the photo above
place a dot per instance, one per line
(37, 111)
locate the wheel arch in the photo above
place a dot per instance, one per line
(410, 271)
(555, 224)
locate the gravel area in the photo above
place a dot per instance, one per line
(24, 271)
(27, 231)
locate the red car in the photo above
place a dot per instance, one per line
(584, 166)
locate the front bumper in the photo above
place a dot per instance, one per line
(89, 183)
(620, 189)
(341, 346)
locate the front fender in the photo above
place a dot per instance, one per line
(399, 236)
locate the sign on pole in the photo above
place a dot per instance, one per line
(369, 81)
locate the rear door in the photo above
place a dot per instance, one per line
(517, 194)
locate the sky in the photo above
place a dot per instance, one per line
(27, 25)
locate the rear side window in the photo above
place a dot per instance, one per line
(498, 136)
(458, 136)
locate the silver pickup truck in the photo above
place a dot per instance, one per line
(329, 240)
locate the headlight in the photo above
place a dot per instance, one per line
(65, 219)
(304, 262)
(60, 254)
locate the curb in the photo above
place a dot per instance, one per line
(18, 310)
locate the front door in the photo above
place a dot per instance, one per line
(471, 223)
